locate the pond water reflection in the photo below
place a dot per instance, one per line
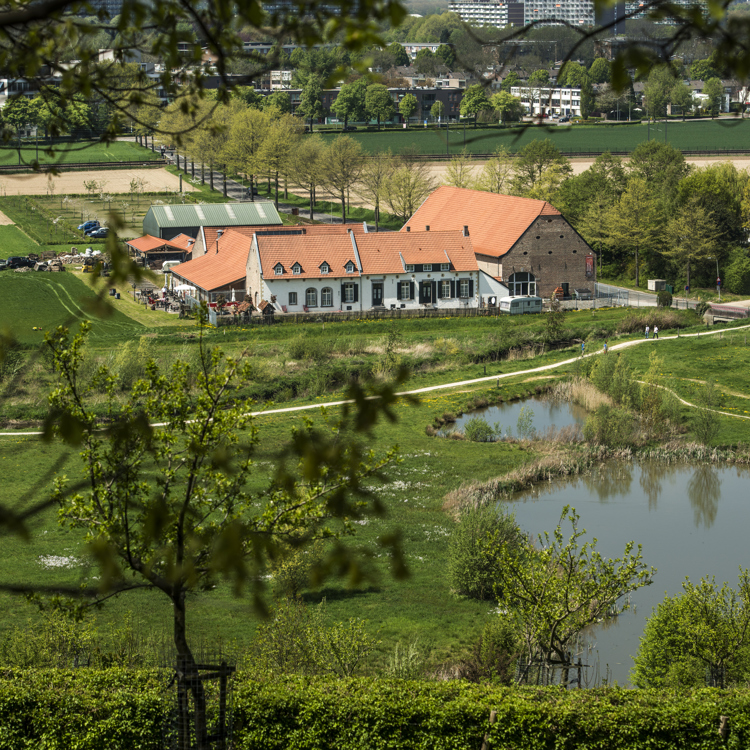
(548, 413)
(690, 520)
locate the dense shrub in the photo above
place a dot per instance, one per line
(472, 561)
(664, 298)
(478, 430)
(702, 308)
(610, 427)
(737, 274)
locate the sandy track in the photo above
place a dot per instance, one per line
(115, 181)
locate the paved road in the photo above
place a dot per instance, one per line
(622, 296)
(474, 381)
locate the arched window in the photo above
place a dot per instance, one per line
(311, 297)
(522, 283)
(326, 297)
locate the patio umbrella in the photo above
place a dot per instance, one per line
(232, 295)
(183, 288)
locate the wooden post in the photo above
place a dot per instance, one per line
(723, 727)
(486, 742)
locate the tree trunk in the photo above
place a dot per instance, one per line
(637, 274)
(343, 207)
(188, 682)
(203, 173)
(252, 188)
(276, 201)
(688, 274)
(377, 213)
(211, 173)
(312, 200)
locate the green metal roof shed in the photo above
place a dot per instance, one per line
(169, 221)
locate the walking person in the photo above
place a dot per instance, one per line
(647, 330)
(656, 332)
(606, 348)
(583, 347)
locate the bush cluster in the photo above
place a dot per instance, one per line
(121, 710)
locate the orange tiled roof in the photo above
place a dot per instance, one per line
(149, 243)
(382, 252)
(310, 250)
(496, 222)
(215, 270)
(311, 229)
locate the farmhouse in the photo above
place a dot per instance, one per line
(526, 244)
(340, 268)
(167, 222)
(154, 251)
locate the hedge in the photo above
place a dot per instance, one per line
(116, 709)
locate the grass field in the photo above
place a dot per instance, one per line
(15, 242)
(46, 300)
(421, 607)
(77, 153)
(702, 135)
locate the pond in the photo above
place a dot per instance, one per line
(690, 520)
(547, 414)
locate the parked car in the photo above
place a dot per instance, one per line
(564, 119)
(89, 225)
(99, 233)
(349, 128)
(18, 261)
(2, 264)
(89, 232)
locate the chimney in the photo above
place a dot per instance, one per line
(466, 231)
(218, 235)
(427, 228)
(408, 229)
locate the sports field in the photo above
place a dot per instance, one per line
(76, 153)
(704, 135)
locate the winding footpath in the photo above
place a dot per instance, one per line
(483, 379)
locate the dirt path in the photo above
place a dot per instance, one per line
(5, 221)
(485, 379)
(115, 181)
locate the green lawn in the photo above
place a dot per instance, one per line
(421, 607)
(15, 242)
(80, 151)
(47, 300)
(701, 135)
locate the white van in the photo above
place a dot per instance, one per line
(520, 305)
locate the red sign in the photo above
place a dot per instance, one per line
(589, 265)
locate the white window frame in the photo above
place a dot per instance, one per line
(296, 269)
(404, 288)
(311, 292)
(445, 266)
(350, 267)
(427, 266)
(326, 297)
(292, 298)
(278, 269)
(349, 292)
(445, 289)
(409, 268)
(325, 269)
(463, 286)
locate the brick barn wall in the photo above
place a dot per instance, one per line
(554, 253)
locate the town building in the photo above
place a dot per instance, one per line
(167, 221)
(538, 100)
(489, 12)
(526, 244)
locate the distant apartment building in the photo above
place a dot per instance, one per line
(574, 12)
(489, 12)
(549, 101)
(640, 8)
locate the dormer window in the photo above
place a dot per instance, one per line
(349, 267)
(427, 267)
(445, 266)
(296, 269)
(409, 268)
(325, 268)
(278, 269)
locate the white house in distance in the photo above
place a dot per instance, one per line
(342, 268)
(545, 100)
